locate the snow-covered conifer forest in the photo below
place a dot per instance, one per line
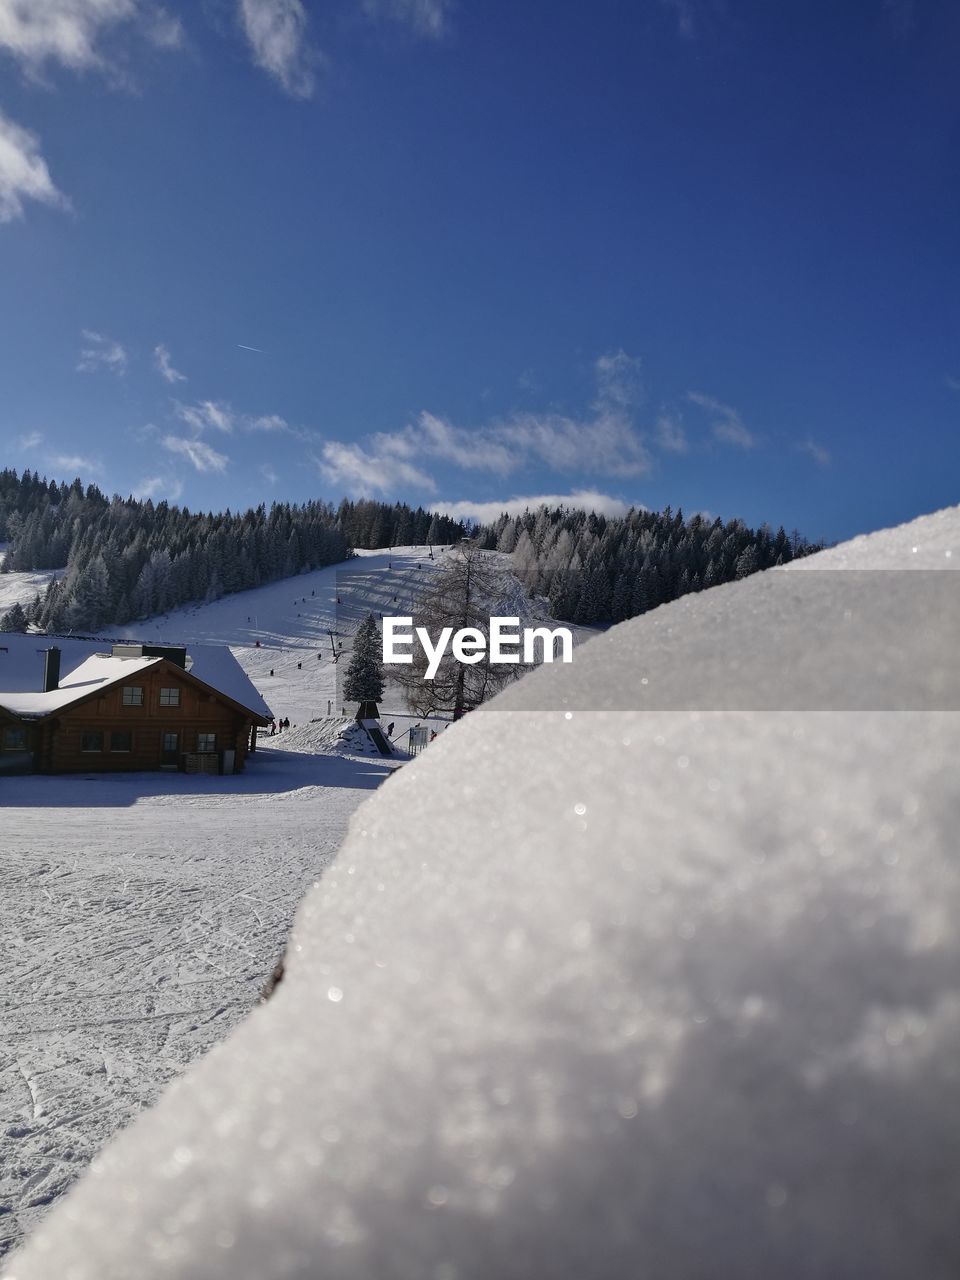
(126, 560)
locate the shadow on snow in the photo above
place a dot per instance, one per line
(267, 773)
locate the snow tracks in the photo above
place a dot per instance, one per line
(139, 921)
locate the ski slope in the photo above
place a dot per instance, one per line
(658, 993)
(292, 621)
(292, 665)
(20, 588)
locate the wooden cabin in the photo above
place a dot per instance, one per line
(131, 708)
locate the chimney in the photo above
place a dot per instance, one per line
(51, 669)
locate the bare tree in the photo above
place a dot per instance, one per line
(463, 593)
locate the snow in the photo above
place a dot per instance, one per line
(87, 664)
(217, 667)
(668, 992)
(139, 920)
(20, 587)
(292, 620)
(343, 736)
(97, 672)
(141, 914)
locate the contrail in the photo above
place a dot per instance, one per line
(246, 348)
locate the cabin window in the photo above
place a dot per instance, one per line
(206, 742)
(14, 739)
(170, 742)
(121, 741)
(169, 697)
(91, 740)
(133, 695)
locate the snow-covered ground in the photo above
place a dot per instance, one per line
(20, 588)
(141, 915)
(649, 993)
(139, 919)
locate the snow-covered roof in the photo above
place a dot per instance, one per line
(216, 666)
(98, 672)
(88, 664)
(22, 658)
(624, 993)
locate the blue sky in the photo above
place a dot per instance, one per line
(696, 252)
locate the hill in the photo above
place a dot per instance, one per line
(600, 993)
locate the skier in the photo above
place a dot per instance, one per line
(390, 729)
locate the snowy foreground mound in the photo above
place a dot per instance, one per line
(653, 994)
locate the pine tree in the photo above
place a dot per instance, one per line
(747, 562)
(14, 619)
(364, 678)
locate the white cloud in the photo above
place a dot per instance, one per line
(581, 500)
(608, 444)
(362, 473)
(164, 365)
(671, 436)
(952, 383)
(269, 475)
(423, 17)
(220, 416)
(166, 486)
(607, 439)
(817, 452)
(71, 32)
(727, 425)
(201, 455)
(23, 172)
(164, 30)
(101, 352)
(268, 422)
(619, 381)
(29, 440)
(276, 31)
(433, 437)
(75, 463)
(206, 413)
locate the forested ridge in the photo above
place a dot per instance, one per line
(595, 569)
(127, 559)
